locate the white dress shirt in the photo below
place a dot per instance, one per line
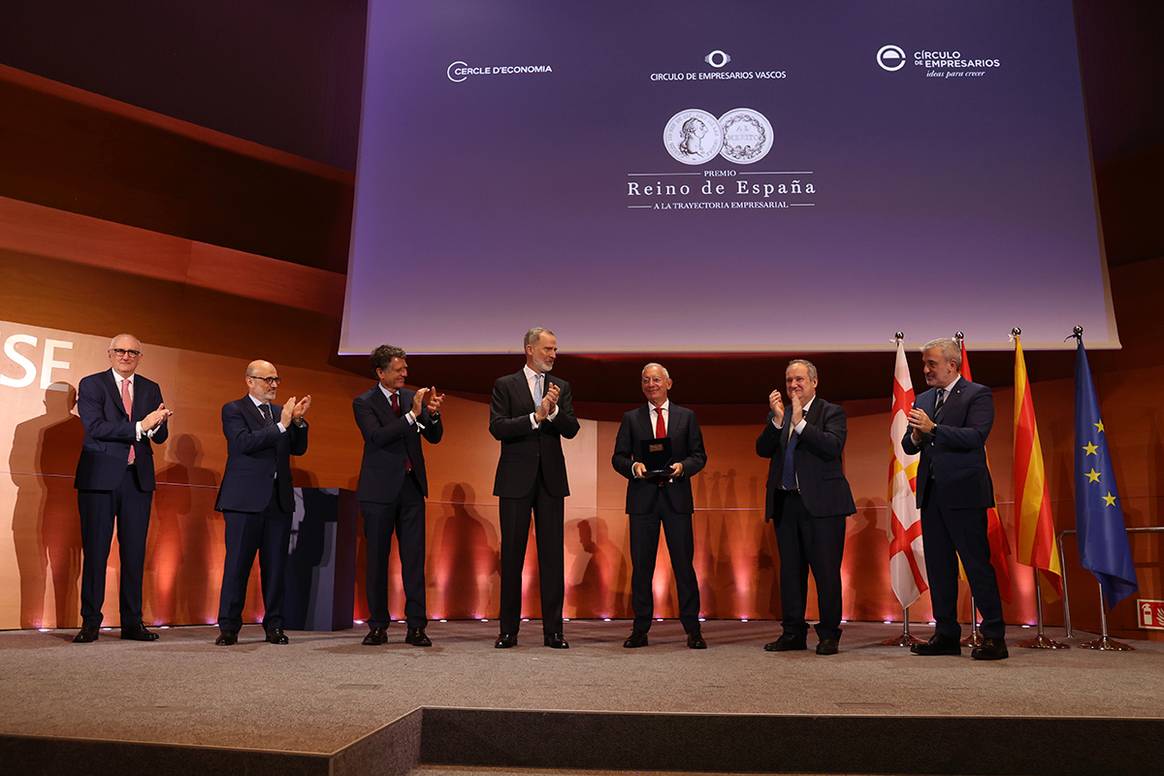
(531, 380)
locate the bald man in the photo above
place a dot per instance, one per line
(122, 413)
(255, 497)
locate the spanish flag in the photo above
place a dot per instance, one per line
(1033, 521)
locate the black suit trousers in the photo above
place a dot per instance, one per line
(129, 506)
(644, 542)
(816, 543)
(405, 516)
(548, 516)
(269, 534)
(949, 533)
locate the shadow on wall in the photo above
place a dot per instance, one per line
(46, 529)
(464, 560)
(185, 538)
(600, 568)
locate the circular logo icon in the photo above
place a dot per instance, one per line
(747, 136)
(693, 136)
(891, 58)
(717, 58)
(454, 76)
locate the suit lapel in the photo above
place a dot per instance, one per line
(522, 386)
(644, 416)
(111, 388)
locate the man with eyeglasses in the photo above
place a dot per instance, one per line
(660, 498)
(255, 497)
(123, 415)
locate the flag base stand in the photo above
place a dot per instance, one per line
(1041, 639)
(1104, 642)
(905, 639)
(1107, 645)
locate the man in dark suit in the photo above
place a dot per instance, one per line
(530, 413)
(808, 499)
(123, 415)
(948, 425)
(653, 500)
(255, 497)
(393, 486)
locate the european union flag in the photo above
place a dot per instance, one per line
(1103, 543)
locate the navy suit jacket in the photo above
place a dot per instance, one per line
(109, 432)
(642, 494)
(953, 458)
(523, 448)
(820, 473)
(255, 453)
(388, 442)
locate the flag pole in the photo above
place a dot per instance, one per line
(906, 639)
(1041, 639)
(1105, 643)
(975, 637)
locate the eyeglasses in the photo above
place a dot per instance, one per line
(123, 352)
(270, 381)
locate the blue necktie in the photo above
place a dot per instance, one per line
(788, 478)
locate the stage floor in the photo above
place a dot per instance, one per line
(325, 690)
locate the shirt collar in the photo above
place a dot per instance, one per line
(256, 401)
(804, 408)
(117, 379)
(953, 382)
(530, 374)
(666, 406)
(387, 393)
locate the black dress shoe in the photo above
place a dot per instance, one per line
(138, 633)
(276, 636)
(376, 637)
(87, 635)
(417, 638)
(695, 640)
(556, 641)
(226, 639)
(990, 649)
(788, 642)
(826, 647)
(637, 639)
(938, 645)
(506, 640)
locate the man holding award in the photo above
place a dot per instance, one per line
(659, 449)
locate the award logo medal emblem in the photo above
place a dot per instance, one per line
(694, 136)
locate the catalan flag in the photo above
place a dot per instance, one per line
(1099, 516)
(907, 563)
(1033, 522)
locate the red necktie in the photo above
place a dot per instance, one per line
(660, 426)
(396, 409)
(127, 402)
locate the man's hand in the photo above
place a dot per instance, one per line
(301, 407)
(418, 401)
(156, 418)
(797, 410)
(676, 470)
(434, 400)
(639, 469)
(776, 404)
(288, 412)
(548, 404)
(919, 424)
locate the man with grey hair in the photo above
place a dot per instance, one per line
(660, 498)
(808, 500)
(530, 412)
(123, 415)
(948, 426)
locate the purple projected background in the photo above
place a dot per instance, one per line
(944, 196)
